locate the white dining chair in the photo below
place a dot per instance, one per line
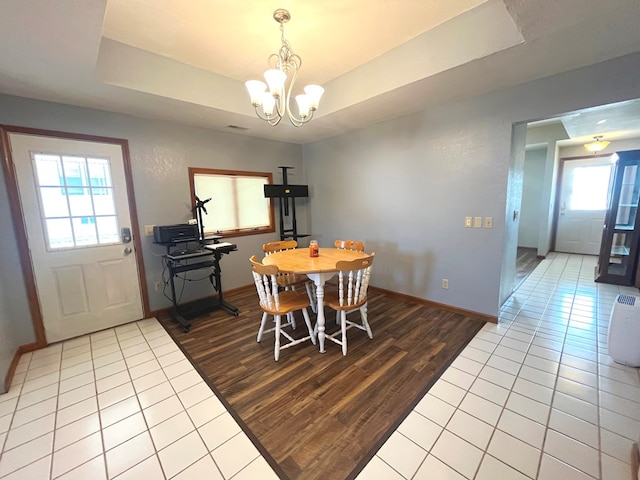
(290, 281)
(279, 303)
(355, 245)
(350, 296)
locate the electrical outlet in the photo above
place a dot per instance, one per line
(158, 286)
(445, 283)
(148, 230)
(468, 222)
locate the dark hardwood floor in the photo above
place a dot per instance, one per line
(323, 416)
(526, 262)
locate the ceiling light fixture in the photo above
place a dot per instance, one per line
(278, 96)
(597, 145)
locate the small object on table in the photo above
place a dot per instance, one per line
(314, 251)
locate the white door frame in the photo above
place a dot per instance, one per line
(11, 183)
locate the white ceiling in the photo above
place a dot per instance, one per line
(187, 60)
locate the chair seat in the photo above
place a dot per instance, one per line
(290, 301)
(332, 299)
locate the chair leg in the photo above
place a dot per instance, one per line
(262, 324)
(312, 296)
(365, 321)
(292, 320)
(276, 348)
(343, 326)
(307, 320)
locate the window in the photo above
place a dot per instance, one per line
(76, 201)
(237, 205)
(590, 187)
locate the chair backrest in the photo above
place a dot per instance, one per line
(356, 245)
(265, 278)
(269, 248)
(353, 280)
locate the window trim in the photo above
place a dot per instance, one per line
(235, 173)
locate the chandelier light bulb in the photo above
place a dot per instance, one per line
(275, 79)
(256, 89)
(314, 92)
(303, 105)
(268, 103)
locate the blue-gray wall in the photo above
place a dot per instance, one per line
(15, 319)
(403, 186)
(532, 199)
(160, 156)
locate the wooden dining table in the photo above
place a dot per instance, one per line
(318, 269)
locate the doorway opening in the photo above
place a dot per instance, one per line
(564, 186)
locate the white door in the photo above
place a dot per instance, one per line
(584, 192)
(74, 202)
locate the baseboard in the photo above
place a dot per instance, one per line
(22, 349)
(440, 306)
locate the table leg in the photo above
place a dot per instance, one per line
(319, 279)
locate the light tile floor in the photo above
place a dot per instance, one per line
(534, 397)
(122, 403)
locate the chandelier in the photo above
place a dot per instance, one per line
(597, 145)
(273, 104)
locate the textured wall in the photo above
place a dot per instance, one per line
(532, 205)
(404, 186)
(160, 156)
(15, 319)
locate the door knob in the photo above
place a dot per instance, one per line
(127, 250)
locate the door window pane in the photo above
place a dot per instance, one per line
(99, 172)
(103, 202)
(80, 202)
(59, 233)
(590, 188)
(108, 229)
(54, 202)
(84, 231)
(76, 200)
(48, 170)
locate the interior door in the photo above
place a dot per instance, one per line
(75, 206)
(584, 192)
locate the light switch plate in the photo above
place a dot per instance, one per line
(477, 222)
(148, 230)
(488, 222)
(468, 222)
